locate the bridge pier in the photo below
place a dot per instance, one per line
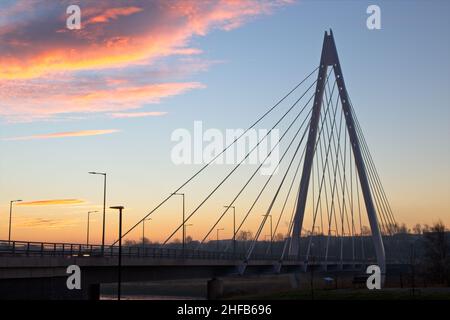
(214, 289)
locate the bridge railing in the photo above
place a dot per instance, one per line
(29, 248)
(47, 248)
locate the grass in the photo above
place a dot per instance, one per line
(357, 294)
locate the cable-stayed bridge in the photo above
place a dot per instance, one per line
(327, 188)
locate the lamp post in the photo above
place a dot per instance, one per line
(220, 229)
(10, 218)
(119, 280)
(143, 233)
(183, 225)
(87, 233)
(234, 228)
(104, 207)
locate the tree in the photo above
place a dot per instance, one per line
(437, 253)
(392, 227)
(129, 242)
(403, 229)
(365, 231)
(278, 237)
(417, 229)
(244, 235)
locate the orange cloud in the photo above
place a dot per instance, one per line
(120, 115)
(47, 70)
(24, 101)
(48, 223)
(82, 133)
(113, 13)
(114, 36)
(52, 202)
(149, 94)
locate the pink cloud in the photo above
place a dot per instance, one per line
(113, 14)
(115, 36)
(52, 202)
(121, 115)
(82, 133)
(47, 70)
(44, 101)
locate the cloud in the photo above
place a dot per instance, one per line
(48, 223)
(82, 133)
(120, 115)
(52, 202)
(113, 14)
(134, 95)
(48, 71)
(112, 35)
(29, 100)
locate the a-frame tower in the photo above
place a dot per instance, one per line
(328, 59)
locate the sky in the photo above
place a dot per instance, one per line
(109, 96)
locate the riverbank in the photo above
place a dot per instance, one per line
(355, 294)
(277, 287)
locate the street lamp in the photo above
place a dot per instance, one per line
(10, 217)
(183, 226)
(143, 232)
(234, 228)
(120, 208)
(220, 229)
(87, 236)
(104, 207)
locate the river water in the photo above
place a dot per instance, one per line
(149, 297)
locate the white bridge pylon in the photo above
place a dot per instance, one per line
(329, 58)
